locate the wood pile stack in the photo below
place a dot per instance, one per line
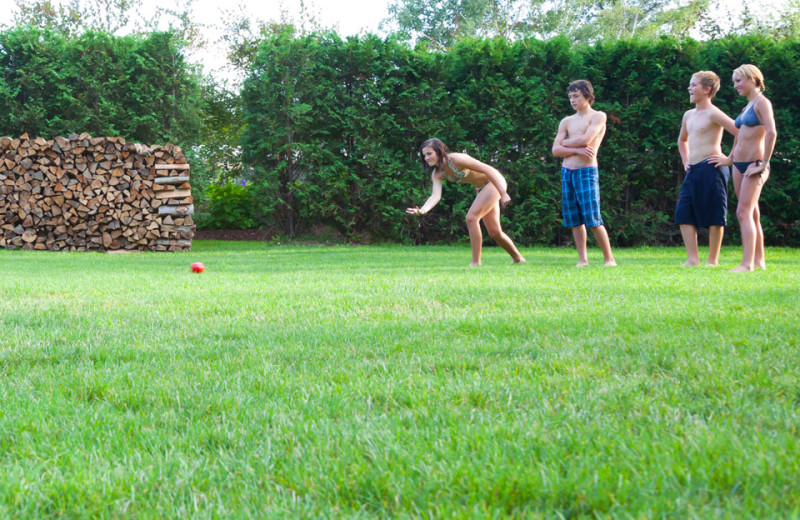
(94, 193)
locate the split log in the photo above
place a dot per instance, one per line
(172, 180)
(87, 193)
(171, 166)
(176, 210)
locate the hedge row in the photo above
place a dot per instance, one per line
(334, 128)
(136, 87)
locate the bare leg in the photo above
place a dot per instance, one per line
(475, 239)
(689, 234)
(492, 222)
(759, 260)
(747, 214)
(715, 234)
(487, 199)
(579, 235)
(601, 235)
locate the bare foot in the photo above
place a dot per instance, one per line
(709, 264)
(610, 263)
(473, 264)
(761, 265)
(582, 263)
(691, 263)
(741, 269)
(520, 260)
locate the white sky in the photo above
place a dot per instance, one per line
(348, 17)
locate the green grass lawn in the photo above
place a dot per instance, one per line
(397, 382)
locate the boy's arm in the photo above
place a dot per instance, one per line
(559, 150)
(596, 125)
(683, 143)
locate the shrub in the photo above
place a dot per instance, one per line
(229, 206)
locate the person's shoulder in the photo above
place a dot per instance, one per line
(458, 156)
(599, 115)
(763, 101)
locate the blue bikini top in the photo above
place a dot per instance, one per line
(749, 118)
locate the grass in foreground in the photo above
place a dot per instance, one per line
(394, 381)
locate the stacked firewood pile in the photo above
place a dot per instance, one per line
(85, 193)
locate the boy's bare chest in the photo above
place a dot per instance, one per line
(577, 126)
(701, 123)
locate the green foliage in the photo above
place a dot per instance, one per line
(217, 160)
(229, 206)
(137, 87)
(334, 126)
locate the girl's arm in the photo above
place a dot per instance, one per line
(465, 162)
(767, 117)
(433, 200)
(729, 125)
(722, 159)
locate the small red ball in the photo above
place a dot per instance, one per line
(198, 267)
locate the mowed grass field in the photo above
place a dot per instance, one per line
(363, 382)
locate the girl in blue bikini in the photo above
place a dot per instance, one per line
(491, 193)
(750, 157)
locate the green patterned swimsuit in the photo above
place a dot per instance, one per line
(457, 176)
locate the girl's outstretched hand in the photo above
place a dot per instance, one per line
(504, 200)
(414, 211)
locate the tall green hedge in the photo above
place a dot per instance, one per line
(334, 128)
(137, 87)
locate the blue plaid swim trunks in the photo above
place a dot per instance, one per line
(580, 197)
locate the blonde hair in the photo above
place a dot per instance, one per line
(752, 73)
(708, 79)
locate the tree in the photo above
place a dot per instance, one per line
(444, 22)
(71, 18)
(242, 34)
(620, 19)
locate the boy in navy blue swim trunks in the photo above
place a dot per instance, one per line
(703, 199)
(578, 139)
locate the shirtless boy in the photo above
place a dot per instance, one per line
(579, 137)
(703, 199)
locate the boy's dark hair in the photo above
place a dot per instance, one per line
(441, 152)
(584, 87)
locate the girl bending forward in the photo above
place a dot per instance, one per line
(491, 193)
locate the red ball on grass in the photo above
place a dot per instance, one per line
(198, 267)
